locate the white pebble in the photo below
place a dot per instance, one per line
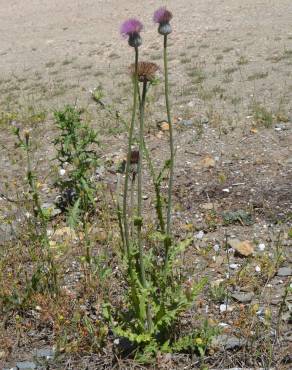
(62, 172)
(223, 325)
(234, 266)
(257, 268)
(200, 234)
(225, 308)
(216, 247)
(261, 247)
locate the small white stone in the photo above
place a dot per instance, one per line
(225, 308)
(226, 190)
(200, 234)
(234, 266)
(261, 247)
(257, 268)
(62, 172)
(216, 247)
(223, 325)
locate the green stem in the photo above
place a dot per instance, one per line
(127, 171)
(156, 182)
(139, 209)
(52, 279)
(140, 179)
(170, 183)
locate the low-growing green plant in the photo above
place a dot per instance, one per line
(262, 115)
(77, 160)
(45, 276)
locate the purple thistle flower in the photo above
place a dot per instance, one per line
(162, 16)
(131, 26)
(131, 29)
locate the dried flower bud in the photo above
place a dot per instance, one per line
(146, 71)
(134, 157)
(26, 136)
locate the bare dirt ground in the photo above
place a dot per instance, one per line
(231, 85)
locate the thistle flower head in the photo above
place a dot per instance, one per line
(131, 29)
(162, 16)
(146, 71)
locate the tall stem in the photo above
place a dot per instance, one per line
(140, 192)
(127, 171)
(171, 145)
(140, 179)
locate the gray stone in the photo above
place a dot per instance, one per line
(284, 271)
(228, 342)
(51, 207)
(204, 120)
(243, 297)
(26, 365)
(7, 233)
(186, 122)
(46, 352)
(280, 126)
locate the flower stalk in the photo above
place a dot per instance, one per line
(128, 163)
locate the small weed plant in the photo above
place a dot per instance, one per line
(77, 160)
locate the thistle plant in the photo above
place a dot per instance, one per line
(162, 16)
(156, 295)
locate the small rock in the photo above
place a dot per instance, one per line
(261, 247)
(257, 268)
(225, 308)
(25, 365)
(163, 126)
(208, 162)
(227, 342)
(242, 248)
(47, 353)
(200, 235)
(204, 120)
(284, 271)
(216, 247)
(280, 127)
(208, 206)
(234, 266)
(51, 208)
(243, 297)
(186, 122)
(6, 233)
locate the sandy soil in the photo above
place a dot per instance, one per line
(231, 82)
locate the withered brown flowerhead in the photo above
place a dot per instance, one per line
(146, 71)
